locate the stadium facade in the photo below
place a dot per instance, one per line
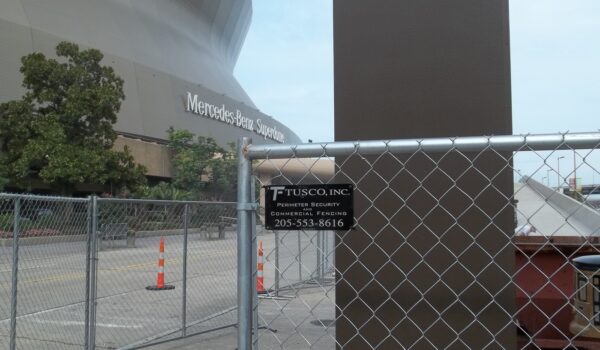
(177, 59)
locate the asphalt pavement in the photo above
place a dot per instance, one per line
(52, 288)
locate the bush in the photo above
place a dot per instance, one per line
(152, 226)
(156, 215)
(27, 228)
(6, 222)
(45, 221)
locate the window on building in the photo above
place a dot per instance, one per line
(582, 282)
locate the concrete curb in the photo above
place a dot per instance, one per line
(7, 242)
(27, 241)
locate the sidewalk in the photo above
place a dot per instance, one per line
(292, 323)
(225, 339)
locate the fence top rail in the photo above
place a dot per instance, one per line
(530, 142)
(34, 197)
(162, 201)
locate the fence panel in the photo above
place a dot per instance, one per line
(51, 271)
(212, 267)
(199, 291)
(85, 271)
(6, 268)
(458, 243)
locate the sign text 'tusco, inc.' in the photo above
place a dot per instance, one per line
(309, 207)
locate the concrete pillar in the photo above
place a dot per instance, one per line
(417, 69)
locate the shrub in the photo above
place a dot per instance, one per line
(6, 222)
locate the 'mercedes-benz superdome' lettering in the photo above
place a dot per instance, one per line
(269, 132)
(221, 113)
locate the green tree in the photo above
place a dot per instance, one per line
(61, 130)
(201, 167)
(164, 191)
(3, 183)
(222, 175)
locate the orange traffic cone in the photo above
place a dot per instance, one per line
(160, 279)
(260, 276)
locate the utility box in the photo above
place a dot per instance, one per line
(586, 322)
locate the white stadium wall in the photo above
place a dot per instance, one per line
(166, 51)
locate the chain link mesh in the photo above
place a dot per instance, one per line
(451, 249)
(129, 234)
(6, 257)
(51, 288)
(58, 282)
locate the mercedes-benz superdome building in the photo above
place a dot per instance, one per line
(177, 59)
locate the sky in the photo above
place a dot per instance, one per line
(286, 67)
(286, 64)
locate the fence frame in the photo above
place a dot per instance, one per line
(248, 152)
(14, 274)
(245, 209)
(92, 245)
(158, 339)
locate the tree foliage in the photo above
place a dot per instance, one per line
(222, 184)
(61, 130)
(201, 169)
(201, 166)
(3, 183)
(164, 191)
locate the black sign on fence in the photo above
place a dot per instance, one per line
(309, 207)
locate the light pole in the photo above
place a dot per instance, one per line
(548, 176)
(558, 171)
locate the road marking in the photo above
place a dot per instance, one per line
(169, 262)
(77, 304)
(80, 323)
(51, 278)
(28, 268)
(79, 275)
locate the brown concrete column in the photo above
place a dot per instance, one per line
(417, 69)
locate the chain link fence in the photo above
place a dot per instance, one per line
(296, 259)
(75, 272)
(474, 243)
(457, 243)
(44, 263)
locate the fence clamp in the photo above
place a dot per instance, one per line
(247, 206)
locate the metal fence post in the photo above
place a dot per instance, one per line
(277, 263)
(254, 270)
(15, 271)
(323, 254)
(326, 244)
(244, 232)
(319, 256)
(88, 264)
(93, 274)
(184, 288)
(299, 257)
